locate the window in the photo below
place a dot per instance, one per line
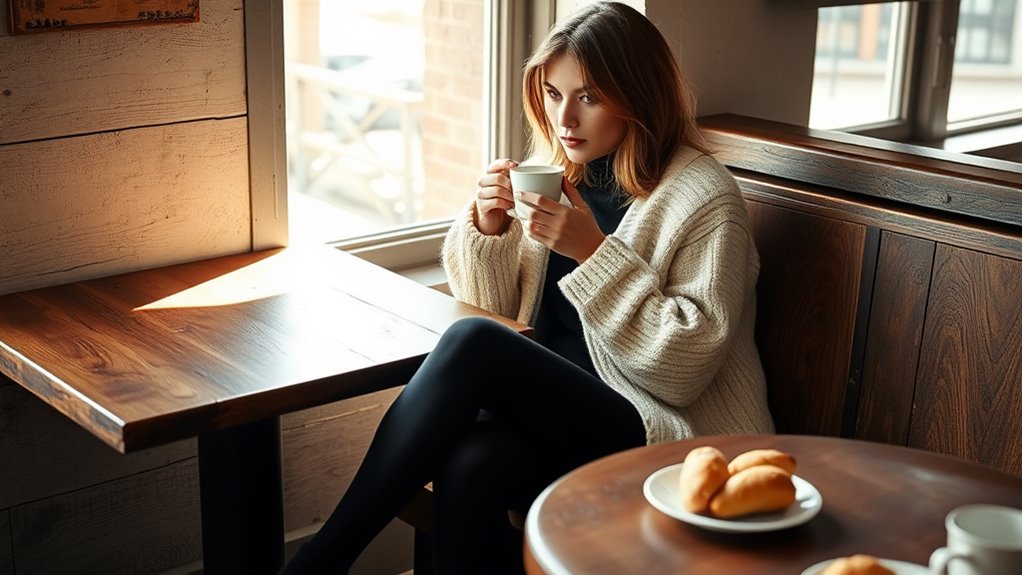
(386, 119)
(860, 68)
(918, 71)
(986, 81)
(338, 121)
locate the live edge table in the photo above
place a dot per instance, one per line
(881, 500)
(219, 349)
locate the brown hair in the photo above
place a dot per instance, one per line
(628, 67)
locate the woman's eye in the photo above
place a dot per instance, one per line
(587, 99)
(552, 94)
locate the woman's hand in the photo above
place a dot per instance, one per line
(494, 198)
(571, 231)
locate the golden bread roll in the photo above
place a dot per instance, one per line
(757, 489)
(762, 457)
(856, 565)
(704, 472)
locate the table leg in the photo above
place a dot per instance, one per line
(242, 499)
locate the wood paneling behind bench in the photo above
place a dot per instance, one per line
(806, 311)
(895, 335)
(144, 523)
(80, 507)
(968, 392)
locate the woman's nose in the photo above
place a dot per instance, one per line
(566, 116)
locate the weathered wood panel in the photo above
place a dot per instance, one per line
(6, 554)
(969, 385)
(45, 453)
(895, 335)
(806, 304)
(85, 81)
(953, 183)
(322, 448)
(89, 206)
(64, 474)
(144, 523)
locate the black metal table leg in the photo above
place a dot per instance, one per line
(242, 500)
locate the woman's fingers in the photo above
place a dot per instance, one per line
(501, 165)
(494, 198)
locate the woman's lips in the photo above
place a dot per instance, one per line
(570, 142)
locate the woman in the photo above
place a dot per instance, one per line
(642, 293)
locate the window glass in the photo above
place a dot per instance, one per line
(384, 116)
(859, 70)
(986, 80)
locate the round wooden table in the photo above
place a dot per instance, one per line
(883, 500)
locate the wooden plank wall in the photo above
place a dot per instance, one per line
(122, 148)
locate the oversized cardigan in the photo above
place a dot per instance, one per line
(667, 302)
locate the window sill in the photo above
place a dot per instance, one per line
(1003, 143)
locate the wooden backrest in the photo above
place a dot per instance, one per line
(888, 296)
(805, 317)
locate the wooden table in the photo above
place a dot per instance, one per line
(219, 349)
(883, 500)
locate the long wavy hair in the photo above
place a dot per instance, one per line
(628, 67)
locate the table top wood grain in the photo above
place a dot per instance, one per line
(878, 499)
(153, 356)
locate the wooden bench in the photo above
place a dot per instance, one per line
(863, 253)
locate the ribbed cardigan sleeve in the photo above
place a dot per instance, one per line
(484, 270)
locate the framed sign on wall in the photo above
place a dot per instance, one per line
(28, 16)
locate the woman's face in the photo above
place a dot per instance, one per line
(585, 128)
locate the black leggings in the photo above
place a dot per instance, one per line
(491, 418)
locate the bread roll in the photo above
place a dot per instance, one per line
(762, 457)
(856, 565)
(757, 489)
(704, 472)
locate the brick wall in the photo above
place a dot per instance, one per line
(452, 113)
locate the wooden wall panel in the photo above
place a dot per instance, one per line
(6, 553)
(807, 297)
(895, 335)
(44, 452)
(145, 523)
(89, 206)
(92, 80)
(322, 448)
(969, 386)
(62, 476)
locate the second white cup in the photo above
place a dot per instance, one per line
(981, 540)
(545, 180)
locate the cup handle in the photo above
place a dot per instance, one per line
(940, 559)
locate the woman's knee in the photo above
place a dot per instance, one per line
(473, 332)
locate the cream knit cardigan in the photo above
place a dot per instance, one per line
(667, 302)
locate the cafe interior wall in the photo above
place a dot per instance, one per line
(126, 148)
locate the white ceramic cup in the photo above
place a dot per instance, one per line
(981, 540)
(545, 180)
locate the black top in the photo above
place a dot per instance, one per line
(558, 326)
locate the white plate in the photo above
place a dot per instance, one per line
(899, 567)
(661, 490)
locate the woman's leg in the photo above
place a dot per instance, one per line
(478, 364)
(484, 476)
(545, 417)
